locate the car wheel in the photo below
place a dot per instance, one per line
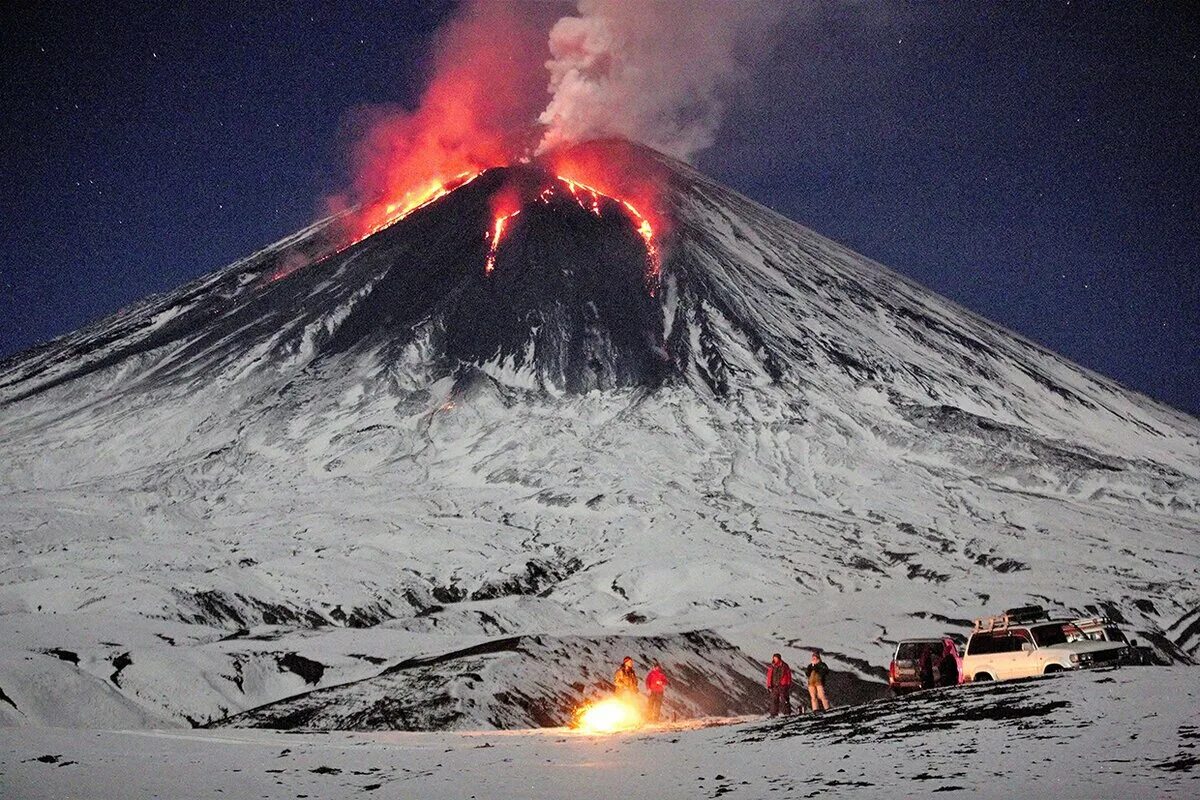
(982, 676)
(1053, 668)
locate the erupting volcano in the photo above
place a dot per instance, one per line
(509, 426)
(609, 164)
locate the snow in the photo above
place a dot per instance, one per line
(1128, 733)
(386, 456)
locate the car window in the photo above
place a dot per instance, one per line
(985, 643)
(1049, 635)
(1114, 635)
(980, 644)
(908, 651)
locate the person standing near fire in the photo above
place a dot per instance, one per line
(626, 681)
(817, 671)
(656, 684)
(779, 685)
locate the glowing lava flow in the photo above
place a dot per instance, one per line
(495, 236)
(396, 210)
(589, 199)
(384, 214)
(609, 716)
(644, 228)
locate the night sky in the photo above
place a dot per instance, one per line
(1042, 169)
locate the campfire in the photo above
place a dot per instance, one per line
(610, 715)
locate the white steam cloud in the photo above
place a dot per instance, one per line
(653, 71)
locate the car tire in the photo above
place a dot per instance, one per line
(1053, 669)
(982, 676)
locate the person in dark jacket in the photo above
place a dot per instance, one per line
(817, 671)
(656, 684)
(948, 666)
(925, 667)
(779, 685)
(626, 680)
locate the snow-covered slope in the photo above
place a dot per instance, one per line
(292, 475)
(1128, 734)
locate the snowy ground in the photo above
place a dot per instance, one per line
(253, 493)
(1126, 733)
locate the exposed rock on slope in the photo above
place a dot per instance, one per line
(385, 453)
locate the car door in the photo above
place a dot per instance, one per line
(1001, 661)
(1024, 655)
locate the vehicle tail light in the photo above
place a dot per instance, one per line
(893, 672)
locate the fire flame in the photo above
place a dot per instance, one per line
(610, 715)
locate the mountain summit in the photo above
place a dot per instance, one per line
(564, 410)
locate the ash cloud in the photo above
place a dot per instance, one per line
(652, 71)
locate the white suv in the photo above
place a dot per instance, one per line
(1017, 645)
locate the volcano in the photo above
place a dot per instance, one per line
(449, 474)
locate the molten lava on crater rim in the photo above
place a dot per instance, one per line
(589, 199)
(602, 178)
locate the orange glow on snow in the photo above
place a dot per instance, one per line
(611, 715)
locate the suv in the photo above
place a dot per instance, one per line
(1099, 629)
(904, 674)
(1024, 642)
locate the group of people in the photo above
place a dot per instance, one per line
(779, 685)
(626, 684)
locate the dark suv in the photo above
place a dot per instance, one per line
(904, 673)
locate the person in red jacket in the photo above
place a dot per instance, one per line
(656, 684)
(779, 685)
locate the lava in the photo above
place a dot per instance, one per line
(589, 199)
(644, 228)
(611, 715)
(496, 234)
(616, 170)
(379, 216)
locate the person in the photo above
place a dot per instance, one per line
(779, 685)
(925, 667)
(817, 672)
(948, 666)
(656, 684)
(626, 681)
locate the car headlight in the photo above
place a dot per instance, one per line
(1075, 658)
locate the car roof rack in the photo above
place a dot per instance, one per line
(1013, 616)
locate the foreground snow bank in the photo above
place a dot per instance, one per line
(1125, 733)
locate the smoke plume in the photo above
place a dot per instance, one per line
(476, 111)
(652, 71)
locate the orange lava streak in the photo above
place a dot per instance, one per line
(575, 186)
(380, 216)
(495, 236)
(644, 228)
